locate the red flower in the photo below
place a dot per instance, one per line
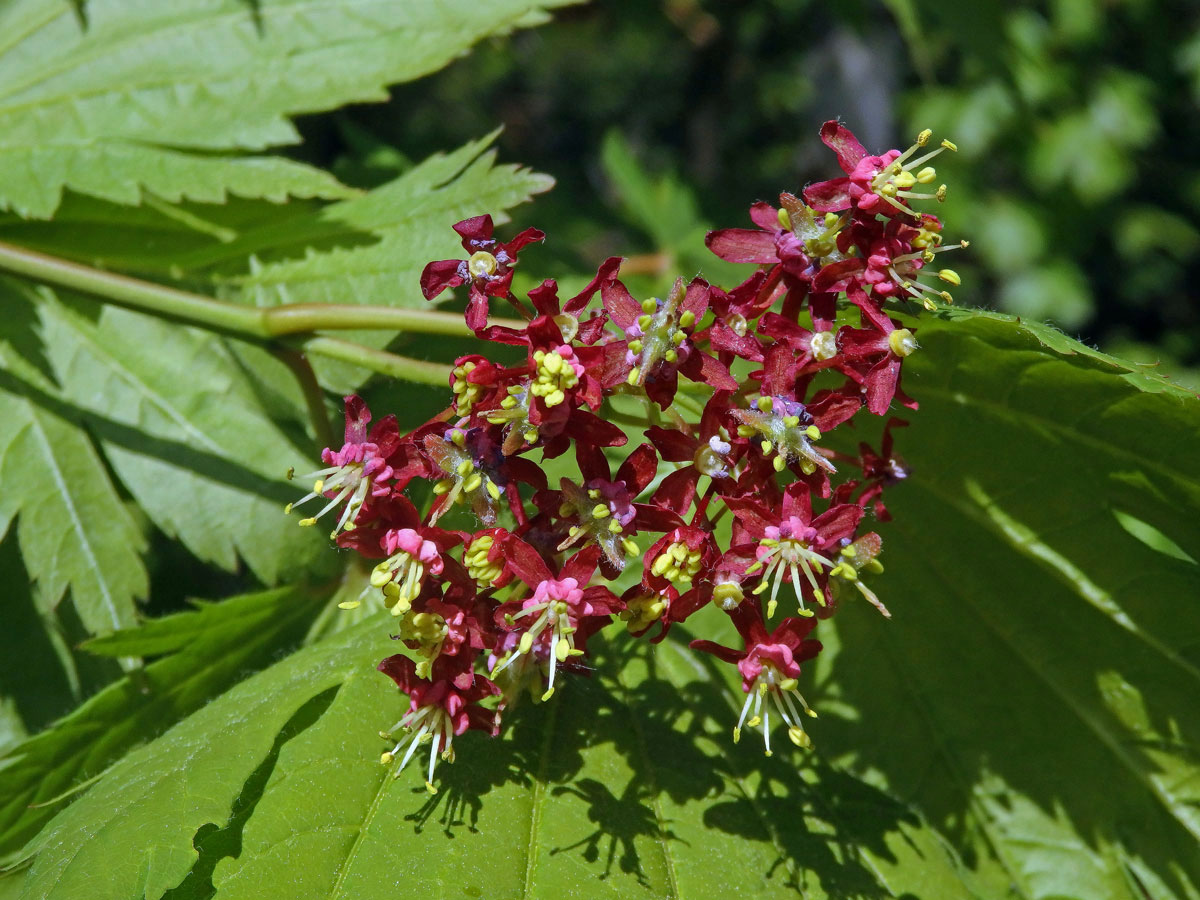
(874, 184)
(488, 269)
(548, 622)
(359, 470)
(440, 708)
(770, 666)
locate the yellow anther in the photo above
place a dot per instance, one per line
(688, 318)
(785, 221)
(765, 404)
(386, 758)
(493, 490)
(727, 594)
(548, 694)
(766, 447)
(649, 306)
(902, 342)
(473, 483)
(927, 175)
(905, 180)
(319, 486)
(633, 376)
(644, 322)
(670, 356)
(630, 545)
(678, 338)
(464, 467)
(562, 650)
(308, 523)
(350, 604)
(800, 738)
(940, 193)
(779, 464)
(950, 277)
(526, 642)
(772, 605)
(813, 432)
(949, 145)
(601, 511)
(635, 346)
(615, 526)
(924, 136)
(791, 421)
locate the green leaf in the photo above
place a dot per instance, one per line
(131, 833)
(412, 217)
(215, 646)
(179, 422)
(73, 529)
(133, 97)
(626, 786)
(1034, 694)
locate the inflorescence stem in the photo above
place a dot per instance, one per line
(269, 325)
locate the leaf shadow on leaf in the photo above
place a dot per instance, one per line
(215, 842)
(624, 779)
(210, 466)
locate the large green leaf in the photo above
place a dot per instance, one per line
(1025, 724)
(627, 786)
(116, 96)
(73, 528)
(210, 649)
(181, 425)
(1035, 693)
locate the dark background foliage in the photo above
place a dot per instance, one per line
(1076, 121)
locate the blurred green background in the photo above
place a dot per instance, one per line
(1076, 122)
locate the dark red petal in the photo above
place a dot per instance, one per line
(476, 228)
(674, 445)
(830, 409)
(724, 339)
(358, 417)
(834, 276)
(655, 518)
(838, 522)
(722, 653)
(525, 562)
(619, 303)
(712, 372)
(401, 670)
(842, 141)
(765, 216)
(677, 490)
(639, 469)
(582, 565)
(586, 427)
(545, 298)
(477, 310)
(605, 274)
(696, 299)
(442, 274)
(742, 245)
(526, 237)
(829, 196)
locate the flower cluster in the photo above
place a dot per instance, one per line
(729, 495)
